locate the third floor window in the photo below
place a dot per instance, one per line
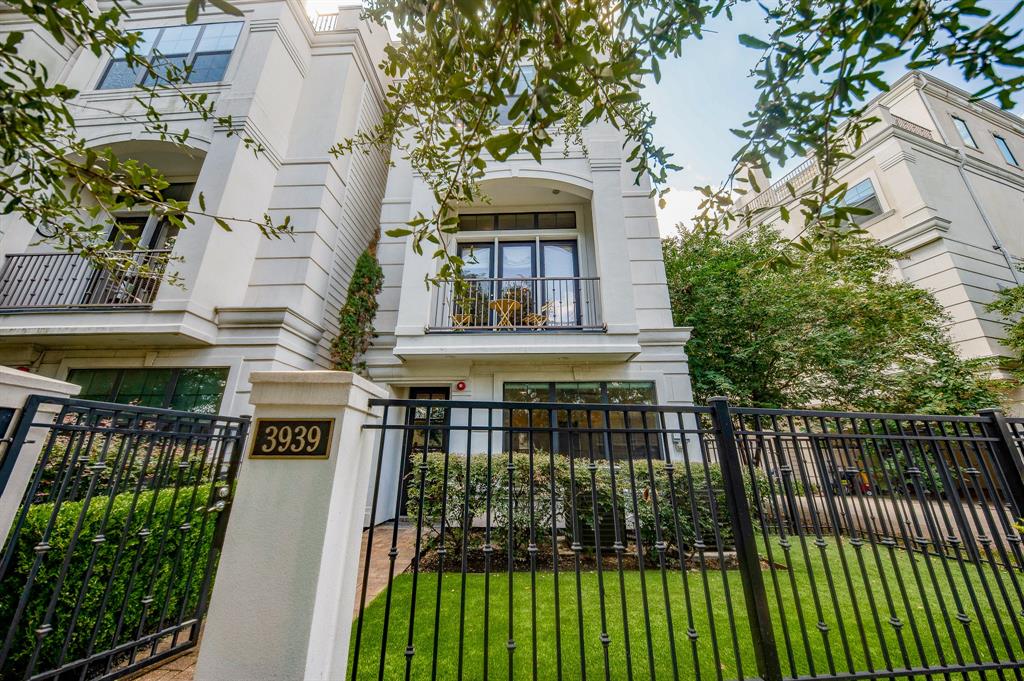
(203, 50)
(964, 132)
(1004, 149)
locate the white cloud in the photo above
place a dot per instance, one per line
(680, 206)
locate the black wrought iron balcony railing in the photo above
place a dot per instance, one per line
(517, 304)
(63, 281)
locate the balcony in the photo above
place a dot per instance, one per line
(38, 282)
(518, 304)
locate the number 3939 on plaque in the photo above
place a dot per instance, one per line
(292, 439)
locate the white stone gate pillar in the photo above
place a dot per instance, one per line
(285, 589)
(17, 466)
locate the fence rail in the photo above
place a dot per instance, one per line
(612, 541)
(60, 281)
(108, 565)
(517, 304)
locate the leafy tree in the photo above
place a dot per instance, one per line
(1010, 304)
(553, 65)
(52, 177)
(557, 65)
(835, 333)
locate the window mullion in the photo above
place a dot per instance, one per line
(149, 57)
(191, 59)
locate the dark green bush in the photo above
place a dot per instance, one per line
(167, 566)
(445, 494)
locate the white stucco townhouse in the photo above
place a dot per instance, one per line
(567, 298)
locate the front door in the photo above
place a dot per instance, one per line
(429, 432)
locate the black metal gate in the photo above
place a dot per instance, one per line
(575, 541)
(109, 563)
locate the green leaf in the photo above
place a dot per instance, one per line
(504, 145)
(192, 11)
(750, 41)
(227, 8)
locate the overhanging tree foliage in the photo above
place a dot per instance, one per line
(1010, 304)
(833, 333)
(60, 183)
(556, 65)
(561, 64)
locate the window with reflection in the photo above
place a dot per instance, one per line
(186, 389)
(581, 432)
(202, 50)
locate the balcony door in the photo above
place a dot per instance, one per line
(540, 275)
(561, 287)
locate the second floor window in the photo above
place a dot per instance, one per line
(201, 49)
(964, 132)
(1004, 149)
(860, 195)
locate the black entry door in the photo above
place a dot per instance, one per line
(429, 432)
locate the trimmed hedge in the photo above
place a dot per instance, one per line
(174, 521)
(444, 493)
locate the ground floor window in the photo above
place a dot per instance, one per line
(188, 389)
(585, 432)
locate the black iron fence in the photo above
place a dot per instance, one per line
(109, 562)
(574, 541)
(517, 303)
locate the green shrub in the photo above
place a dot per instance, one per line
(444, 494)
(166, 566)
(355, 319)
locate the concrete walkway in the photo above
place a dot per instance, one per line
(183, 668)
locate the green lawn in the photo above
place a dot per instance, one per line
(713, 654)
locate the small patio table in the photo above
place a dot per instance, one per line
(505, 307)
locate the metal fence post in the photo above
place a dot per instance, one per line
(1007, 455)
(754, 592)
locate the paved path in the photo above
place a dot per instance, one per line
(183, 668)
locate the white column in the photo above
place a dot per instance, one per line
(17, 466)
(285, 588)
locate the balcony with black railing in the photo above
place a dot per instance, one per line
(34, 282)
(517, 304)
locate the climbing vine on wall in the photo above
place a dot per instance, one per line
(355, 319)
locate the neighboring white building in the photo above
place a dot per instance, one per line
(568, 281)
(247, 303)
(944, 177)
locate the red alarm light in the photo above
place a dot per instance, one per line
(460, 386)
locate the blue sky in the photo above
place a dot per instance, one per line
(703, 94)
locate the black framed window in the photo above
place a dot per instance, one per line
(519, 259)
(1005, 150)
(581, 435)
(964, 132)
(488, 222)
(202, 49)
(860, 195)
(186, 389)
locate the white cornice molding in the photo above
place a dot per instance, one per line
(917, 235)
(269, 318)
(902, 156)
(274, 26)
(605, 164)
(248, 127)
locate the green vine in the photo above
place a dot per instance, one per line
(355, 319)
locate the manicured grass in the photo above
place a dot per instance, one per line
(719, 650)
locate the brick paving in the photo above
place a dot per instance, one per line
(183, 668)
